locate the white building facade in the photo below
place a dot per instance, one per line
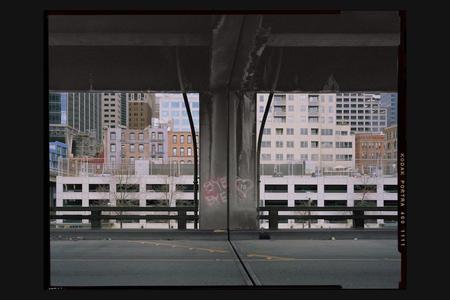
(290, 191)
(302, 128)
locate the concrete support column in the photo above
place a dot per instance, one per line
(228, 151)
(242, 161)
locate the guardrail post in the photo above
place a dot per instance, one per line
(359, 222)
(96, 221)
(273, 219)
(181, 219)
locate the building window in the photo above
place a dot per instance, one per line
(266, 144)
(189, 151)
(132, 136)
(267, 131)
(290, 144)
(72, 188)
(365, 188)
(343, 157)
(181, 139)
(276, 188)
(335, 188)
(279, 131)
(266, 157)
(112, 148)
(326, 144)
(160, 136)
(304, 144)
(181, 151)
(289, 156)
(174, 139)
(304, 188)
(141, 148)
(290, 131)
(326, 132)
(174, 151)
(303, 156)
(304, 131)
(390, 188)
(279, 156)
(131, 147)
(72, 203)
(314, 144)
(113, 135)
(141, 136)
(314, 131)
(189, 139)
(327, 157)
(314, 157)
(279, 144)
(98, 188)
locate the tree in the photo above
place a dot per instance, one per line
(363, 201)
(121, 194)
(169, 195)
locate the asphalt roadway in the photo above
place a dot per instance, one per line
(350, 264)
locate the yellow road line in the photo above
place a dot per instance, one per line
(181, 246)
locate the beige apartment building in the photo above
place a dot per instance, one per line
(111, 110)
(302, 128)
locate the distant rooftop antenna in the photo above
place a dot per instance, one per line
(91, 81)
(331, 84)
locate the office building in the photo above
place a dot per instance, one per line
(362, 111)
(302, 128)
(172, 110)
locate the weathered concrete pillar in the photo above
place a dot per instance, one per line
(228, 148)
(242, 161)
(213, 160)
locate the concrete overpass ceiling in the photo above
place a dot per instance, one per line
(137, 52)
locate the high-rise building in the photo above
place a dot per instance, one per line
(181, 147)
(172, 110)
(369, 152)
(362, 111)
(80, 111)
(390, 102)
(112, 110)
(302, 128)
(139, 110)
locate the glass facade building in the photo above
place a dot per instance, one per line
(172, 110)
(79, 110)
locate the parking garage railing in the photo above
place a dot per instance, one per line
(358, 215)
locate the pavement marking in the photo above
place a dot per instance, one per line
(269, 257)
(140, 259)
(277, 258)
(210, 250)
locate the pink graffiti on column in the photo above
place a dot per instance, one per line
(215, 191)
(242, 187)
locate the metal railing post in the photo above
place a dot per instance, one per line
(96, 221)
(181, 219)
(273, 220)
(358, 221)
